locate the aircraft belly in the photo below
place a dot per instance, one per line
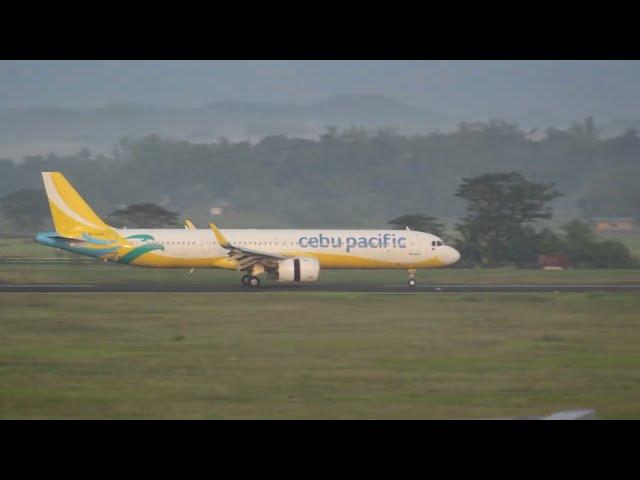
(167, 261)
(360, 260)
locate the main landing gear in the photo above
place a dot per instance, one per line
(412, 277)
(250, 281)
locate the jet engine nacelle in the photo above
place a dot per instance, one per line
(298, 269)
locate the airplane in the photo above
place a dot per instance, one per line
(287, 255)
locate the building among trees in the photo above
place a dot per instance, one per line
(614, 224)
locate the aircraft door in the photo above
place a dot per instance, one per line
(414, 246)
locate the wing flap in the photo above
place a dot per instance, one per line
(245, 257)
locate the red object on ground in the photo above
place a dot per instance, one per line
(553, 260)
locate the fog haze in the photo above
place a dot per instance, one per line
(354, 142)
(556, 90)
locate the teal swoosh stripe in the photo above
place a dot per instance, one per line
(141, 250)
(96, 241)
(142, 236)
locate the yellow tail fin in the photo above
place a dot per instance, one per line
(71, 214)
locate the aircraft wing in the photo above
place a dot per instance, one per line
(246, 257)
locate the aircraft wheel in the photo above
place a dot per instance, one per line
(253, 281)
(412, 282)
(245, 280)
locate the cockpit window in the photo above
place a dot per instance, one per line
(433, 243)
(439, 244)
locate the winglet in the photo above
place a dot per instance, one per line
(224, 243)
(189, 226)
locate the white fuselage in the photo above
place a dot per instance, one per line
(333, 248)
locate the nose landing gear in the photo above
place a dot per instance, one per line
(412, 277)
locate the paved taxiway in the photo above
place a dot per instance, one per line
(318, 287)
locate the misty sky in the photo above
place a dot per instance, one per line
(472, 89)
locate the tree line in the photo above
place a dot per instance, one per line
(348, 178)
(351, 176)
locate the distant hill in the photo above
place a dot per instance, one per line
(38, 131)
(365, 104)
(64, 131)
(359, 104)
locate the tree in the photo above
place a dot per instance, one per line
(502, 210)
(419, 222)
(143, 215)
(26, 209)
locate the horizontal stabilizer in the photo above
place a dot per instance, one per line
(60, 237)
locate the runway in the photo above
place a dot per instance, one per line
(449, 288)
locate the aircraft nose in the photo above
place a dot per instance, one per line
(452, 256)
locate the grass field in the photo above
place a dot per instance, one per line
(318, 355)
(98, 272)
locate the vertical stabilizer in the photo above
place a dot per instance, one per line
(71, 214)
